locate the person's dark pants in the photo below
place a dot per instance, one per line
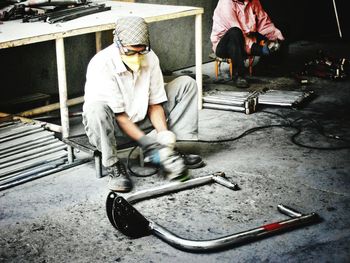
(232, 45)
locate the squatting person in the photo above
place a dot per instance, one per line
(125, 94)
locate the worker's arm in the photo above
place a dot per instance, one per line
(129, 128)
(156, 115)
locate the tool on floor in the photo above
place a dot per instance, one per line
(124, 217)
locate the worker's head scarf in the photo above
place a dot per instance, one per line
(131, 31)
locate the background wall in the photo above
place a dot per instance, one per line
(173, 40)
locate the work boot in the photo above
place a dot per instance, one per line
(241, 82)
(119, 180)
(192, 161)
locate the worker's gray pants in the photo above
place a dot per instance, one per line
(181, 110)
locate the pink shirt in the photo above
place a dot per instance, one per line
(248, 16)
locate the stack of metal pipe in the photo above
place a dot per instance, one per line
(283, 97)
(27, 152)
(232, 101)
(247, 102)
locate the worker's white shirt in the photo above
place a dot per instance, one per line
(108, 81)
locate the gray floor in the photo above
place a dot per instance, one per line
(62, 218)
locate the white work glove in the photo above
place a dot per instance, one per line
(167, 138)
(161, 153)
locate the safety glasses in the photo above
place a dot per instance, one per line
(130, 52)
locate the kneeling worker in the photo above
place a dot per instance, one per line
(125, 93)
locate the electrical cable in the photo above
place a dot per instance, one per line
(134, 173)
(289, 124)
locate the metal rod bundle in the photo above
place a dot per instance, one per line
(232, 101)
(283, 98)
(27, 152)
(247, 102)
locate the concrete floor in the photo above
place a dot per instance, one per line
(62, 218)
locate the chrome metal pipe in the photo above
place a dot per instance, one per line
(234, 93)
(32, 171)
(34, 156)
(218, 177)
(223, 107)
(42, 174)
(230, 240)
(20, 142)
(31, 154)
(27, 147)
(288, 211)
(19, 130)
(337, 19)
(224, 101)
(33, 163)
(9, 125)
(5, 124)
(20, 135)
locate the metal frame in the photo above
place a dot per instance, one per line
(124, 217)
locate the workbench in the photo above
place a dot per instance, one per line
(16, 33)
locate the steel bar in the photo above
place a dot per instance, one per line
(27, 154)
(223, 107)
(218, 177)
(124, 217)
(20, 135)
(9, 127)
(224, 101)
(19, 130)
(234, 239)
(16, 148)
(36, 155)
(7, 124)
(77, 14)
(32, 163)
(276, 103)
(289, 211)
(42, 174)
(20, 142)
(336, 17)
(234, 93)
(31, 171)
(34, 3)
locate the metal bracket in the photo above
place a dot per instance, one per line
(124, 217)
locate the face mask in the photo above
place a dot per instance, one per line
(133, 62)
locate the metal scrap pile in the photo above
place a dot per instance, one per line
(328, 67)
(50, 11)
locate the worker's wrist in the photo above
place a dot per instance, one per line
(146, 141)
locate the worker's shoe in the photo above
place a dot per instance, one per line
(119, 180)
(192, 161)
(241, 82)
